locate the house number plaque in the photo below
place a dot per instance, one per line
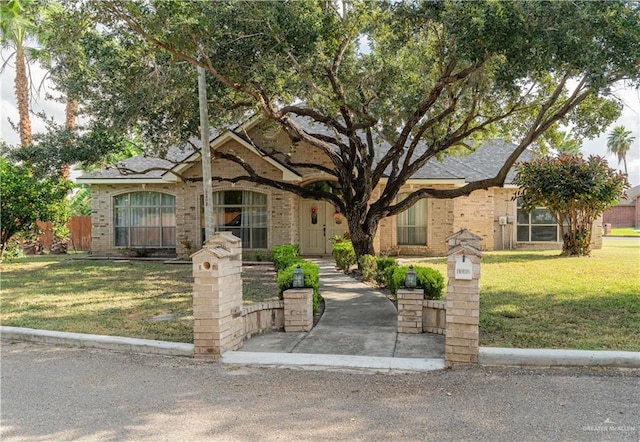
(463, 268)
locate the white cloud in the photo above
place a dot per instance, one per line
(630, 119)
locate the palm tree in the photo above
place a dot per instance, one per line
(15, 26)
(619, 143)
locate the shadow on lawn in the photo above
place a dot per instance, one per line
(513, 257)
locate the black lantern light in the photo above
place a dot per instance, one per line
(298, 278)
(410, 278)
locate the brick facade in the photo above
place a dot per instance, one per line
(479, 212)
(623, 216)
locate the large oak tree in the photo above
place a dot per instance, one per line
(388, 85)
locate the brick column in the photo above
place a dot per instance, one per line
(463, 300)
(217, 296)
(298, 310)
(410, 310)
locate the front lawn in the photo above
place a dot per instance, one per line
(124, 298)
(534, 299)
(529, 299)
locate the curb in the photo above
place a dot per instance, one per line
(492, 356)
(328, 361)
(116, 343)
(488, 356)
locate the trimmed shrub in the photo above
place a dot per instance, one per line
(12, 252)
(285, 255)
(382, 264)
(368, 267)
(430, 280)
(311, 279)
(344, 255)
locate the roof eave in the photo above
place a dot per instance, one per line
(287, 174)
(431, 181)
(126, 180)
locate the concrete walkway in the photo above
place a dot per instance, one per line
(358, 320)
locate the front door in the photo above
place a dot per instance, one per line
(319, 223)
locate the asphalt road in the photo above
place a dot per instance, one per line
(53, 394)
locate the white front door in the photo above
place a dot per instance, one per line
(318, 224)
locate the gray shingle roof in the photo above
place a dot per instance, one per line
(632, 195)
(485, 162)
(142, 166)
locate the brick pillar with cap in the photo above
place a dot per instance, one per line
(463, 299)
(217, 296)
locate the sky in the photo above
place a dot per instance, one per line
(630, 119)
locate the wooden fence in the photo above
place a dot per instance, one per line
(80, 237)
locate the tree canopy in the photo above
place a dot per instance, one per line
(388, 85)
(25, 199)
(576, 191)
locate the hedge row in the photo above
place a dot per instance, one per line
(286, 258)
(386, 272)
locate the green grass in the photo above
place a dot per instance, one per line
(528, 299)
(624, 231)
(108, 297)
(534, 299)
(99, 297)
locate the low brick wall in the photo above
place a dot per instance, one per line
(434, 316)
(262, 317)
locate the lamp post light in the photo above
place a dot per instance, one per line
(298, 278)
(410, 278)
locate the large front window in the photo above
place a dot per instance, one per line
(145, 219)
(537, 225)
(412, 223)
(241, 212)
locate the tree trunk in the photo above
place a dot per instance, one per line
(70, 123)
(3, 247)
(577, 243)
(362, 235)
(22, 97)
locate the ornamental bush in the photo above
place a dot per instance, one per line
(430, 280)
(382, 265)
(368, 267)
(344, 255)
(285, 255)
(311, 279)
(576, 191)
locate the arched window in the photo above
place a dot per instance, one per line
(241, 212)
(412, 223)
(145, 219)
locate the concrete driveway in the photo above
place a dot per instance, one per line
(53, 393)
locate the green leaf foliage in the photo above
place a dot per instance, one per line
(382, 265)
(311, 279)
(344, 255)
(422, 79)
(25, 199)
(430, 280)
(285, 255)
(80, 204)
(368, 267)
(575, 190)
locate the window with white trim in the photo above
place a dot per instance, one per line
(145, 219)
(241, 212)
(539, 225)
(412, 223)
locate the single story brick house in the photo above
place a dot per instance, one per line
(627, 212)
(157, 204)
